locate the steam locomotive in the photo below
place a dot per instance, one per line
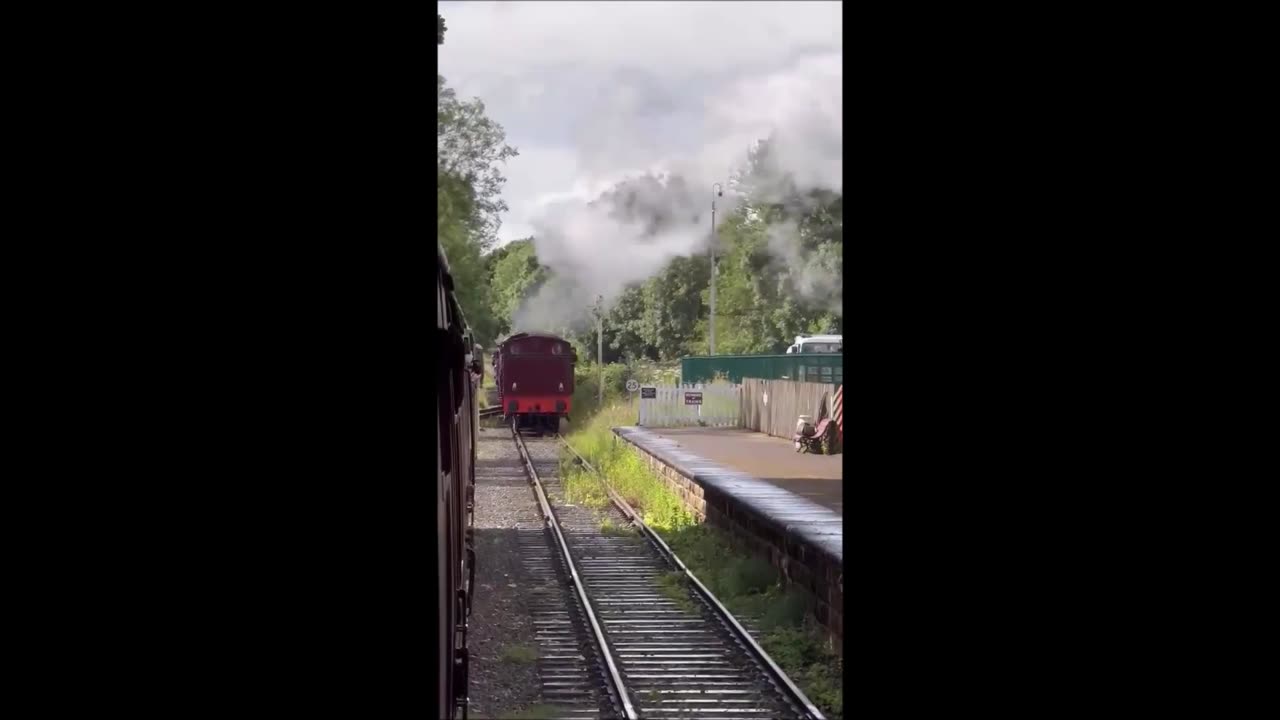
(534, 373)
(458, 376)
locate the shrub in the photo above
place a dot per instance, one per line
(746, 575)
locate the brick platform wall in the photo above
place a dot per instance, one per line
(805, 566)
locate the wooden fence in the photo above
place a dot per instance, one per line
(721, 406)
(773, 406)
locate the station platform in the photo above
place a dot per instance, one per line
(786, 513)
(819, 478)
(801, 538)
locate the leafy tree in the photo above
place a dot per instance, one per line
(514, 274)
(455, 233)
(782, 271)
(471, 146)
(627, 321)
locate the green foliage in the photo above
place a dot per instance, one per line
(615, 380)
(465, 263)
(490, 380)
(676, 589)
(807, 660)
(659, 318)
(514, 274)
(470, 148)
(645, 492)
(581, 487)
(745, 575)
(612, 529)
(586, 387)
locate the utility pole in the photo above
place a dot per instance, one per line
(600, 343)
(718, 191)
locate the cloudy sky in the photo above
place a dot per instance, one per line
(590, 92)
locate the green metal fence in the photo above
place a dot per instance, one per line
(816, 367)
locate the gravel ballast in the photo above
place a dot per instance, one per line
(503, 679)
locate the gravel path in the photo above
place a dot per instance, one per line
(504, 677)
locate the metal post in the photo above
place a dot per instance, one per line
(713, 277)
(600, 344)
(718, 190)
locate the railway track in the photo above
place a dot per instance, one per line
(647, 648)
(489, 412)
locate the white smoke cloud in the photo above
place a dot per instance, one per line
(813, 273)
(597, 249)
(597, 246)
(557, 307)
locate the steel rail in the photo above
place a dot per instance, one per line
(797, 695)
(549, 515)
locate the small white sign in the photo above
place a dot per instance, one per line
(632, 386)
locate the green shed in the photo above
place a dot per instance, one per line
(814, 367)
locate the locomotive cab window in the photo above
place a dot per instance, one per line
(557, 349)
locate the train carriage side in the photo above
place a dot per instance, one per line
(455, 480)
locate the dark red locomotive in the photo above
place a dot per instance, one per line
(534, 373)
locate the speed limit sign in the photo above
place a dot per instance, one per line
(632, 386)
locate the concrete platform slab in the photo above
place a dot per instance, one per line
(819, 478)
(777, 511)
(800, 537)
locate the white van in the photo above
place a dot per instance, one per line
(806, 344)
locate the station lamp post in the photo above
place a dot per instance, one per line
(717, 190)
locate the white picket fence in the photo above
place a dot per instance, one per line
(721, 406)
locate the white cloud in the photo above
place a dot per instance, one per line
(669, 39)
(592, 91)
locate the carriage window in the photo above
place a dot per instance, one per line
(515, 348)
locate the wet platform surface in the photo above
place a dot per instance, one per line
(816, 477)
(690, 450)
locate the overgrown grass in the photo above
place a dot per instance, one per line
(674, 586)
(489, 380)
(610, 528)
(746, 583)
(658, 506)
